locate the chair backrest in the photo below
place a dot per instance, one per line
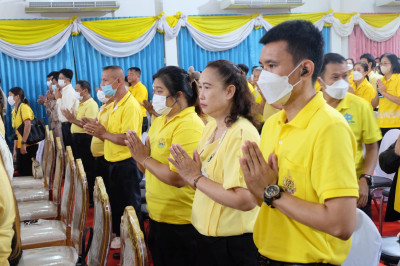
(133, 246)
(80, 206)
(58, 174)
(66, 200)
(387, 140)
(366, 245)
(49, 168)
(98, 252)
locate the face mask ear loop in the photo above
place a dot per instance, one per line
(295, 69)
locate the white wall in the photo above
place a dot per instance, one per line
(14, 9)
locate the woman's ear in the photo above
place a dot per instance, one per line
(230, 91)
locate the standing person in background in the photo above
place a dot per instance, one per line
(22, 113)
(373, 75)
(80, 140)
(389, 87)
(361, 85)
(350, 67)
(3, 104)
(171, 236)
(122, 169)
(51, 109)
(360, 117)
(65, 96)
(139, 91)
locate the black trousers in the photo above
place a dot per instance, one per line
(81, 148)
(172, 244)
(24, 161)
(66, 133)
(263, 261)
(124, 191)
(229, 250)
(101, 166)
(145, 124)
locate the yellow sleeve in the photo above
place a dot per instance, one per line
(187, 135)
(371, 132)
(26, 112)
(142, 94)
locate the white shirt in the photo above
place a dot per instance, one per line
(67, 101)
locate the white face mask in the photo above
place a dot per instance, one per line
(357, 75)
(337, 90)
(48, 83)
(10, 100)
(101, 96)
(350, 66)
(159, 104)
(385, 69)
(78, 96)
(61, 82)
(54, 86)
(275, 88)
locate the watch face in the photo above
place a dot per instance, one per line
(272, 191)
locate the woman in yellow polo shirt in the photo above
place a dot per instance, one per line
(361, 85)
(169, 198)
(389, 87)
(224, 211)
(22, 113)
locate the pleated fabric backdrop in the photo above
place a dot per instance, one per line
(248, 52)
(31, 77)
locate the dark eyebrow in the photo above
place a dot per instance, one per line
(206, 83)
(270, 61)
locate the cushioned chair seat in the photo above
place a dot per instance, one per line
(390, 250)
(32, 210)
(27, 194)
(27, 182)
(63, 256)
(43, 231)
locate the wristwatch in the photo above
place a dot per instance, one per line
(23, 142)
(368, 178)
(271, 193)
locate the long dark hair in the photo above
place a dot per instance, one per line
(243, 100)
(20, 92)
(177, 79)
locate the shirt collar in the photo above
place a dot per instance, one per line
(302, 119)
(344, 103)
(124, 99)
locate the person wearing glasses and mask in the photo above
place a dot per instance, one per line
(389, 87)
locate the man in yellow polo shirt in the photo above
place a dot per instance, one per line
(80, 140)
(303, 175)
(360, 117)
(122, 169)
(139, 91)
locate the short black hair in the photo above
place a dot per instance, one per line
(331, 58)
(55, 76)
(51, 74)
(85, 85)
(393, 60)
(244, 68)
(370, 59)
(304, 41)
(136, 69)
(67, 73)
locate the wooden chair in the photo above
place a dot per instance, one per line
(46, 209)
(133, 246)
(98, 252)
(26, 193)
(65, 255)
(38, 170)
(44, 233)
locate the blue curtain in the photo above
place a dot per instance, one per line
(247, 52)
(31, 77)
(89, 61)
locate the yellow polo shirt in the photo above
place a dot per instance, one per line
(7, 215)
(251, 88)
(27, 113)
(89, 109)
(258, 100)
(139, 91)
(389, 112)
(317, 86)
(269, 110)
(221, 164)
(97, 145)
(373, 78)
(125, 115)
(165, 203)
(361, 119)
(315, 152)
(365, 90)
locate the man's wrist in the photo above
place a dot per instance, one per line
(23, 142)
(367, 178)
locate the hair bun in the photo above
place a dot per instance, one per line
(193, 75)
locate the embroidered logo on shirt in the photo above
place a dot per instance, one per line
(161, 143)
(288, 184)
(349, 118)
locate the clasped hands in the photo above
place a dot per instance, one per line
(93, 127)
